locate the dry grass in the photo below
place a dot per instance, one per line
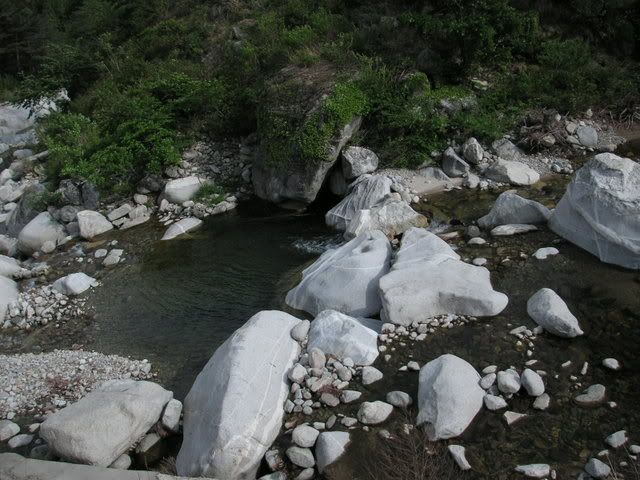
(630, 472)
(403, 456)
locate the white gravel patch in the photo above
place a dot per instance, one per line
(35, 383)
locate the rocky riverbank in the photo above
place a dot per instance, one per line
(344, 379)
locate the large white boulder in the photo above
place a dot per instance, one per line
(181, 227)
(549, 311)
(391, 215)
(449, 397)
(329, 448)
(516, 173)
(343, 337)
(345, 278)
(365, 193)
(428, 279)
(600, 211)
(357, 161)
(74, 284)
(511, 208)
(103, 425)
(92, 224)
(234, 410)
(43, 228)
(8, 295)
(181, 190)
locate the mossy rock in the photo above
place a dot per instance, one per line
(307, 117)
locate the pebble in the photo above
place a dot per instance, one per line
(302, 457)
(513, 417)
(8, 429)
(542, 402)
(370, 375)
(494, 402)
(617, 439)
(373, 413)
(477, 241)
(60, 376)
(611, 364)
(488, 380)
(479, 262)
(593, 395)
(535, 470)
(399, 399)
(544, 253)
(597, 468)
(508, 381)
(458, 454)
(532, 383)
(304, 436)
(21, 440)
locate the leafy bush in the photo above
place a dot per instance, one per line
(210, 194)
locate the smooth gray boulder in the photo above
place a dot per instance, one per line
(424, 283)
(449, 397)
(505, 149)
(587, 136)
(345, 279)
(391, 215)
(358, 161)
(8, 295)
(43, 228)
(472, 151)
(343, 337)
(181, 227)
(453, 165)
(74, 284)
(600, 210)
(27, 209)
(532, 382)
(234, 410)
(330, 446)
(181, 190)
(549, 311)
(365, 192)
(16, 467)
(511, 208)
(515, 173)
(104, 424)
(92, 224)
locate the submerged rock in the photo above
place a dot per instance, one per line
(343, 337)
(103, 425)
(593, 395)
(234, 410)
(449, 397)
(345, 279)
(600, 210)
(74, 284)
(511, 208)
(181, 227)
(424, 283)
(549, 311)
(534, 470)
(365, 193)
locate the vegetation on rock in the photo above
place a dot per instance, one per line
(145, 78)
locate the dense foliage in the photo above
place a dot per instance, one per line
(146, 77)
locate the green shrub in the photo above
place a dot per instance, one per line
(210, 194)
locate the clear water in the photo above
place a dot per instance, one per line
(177, 301)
